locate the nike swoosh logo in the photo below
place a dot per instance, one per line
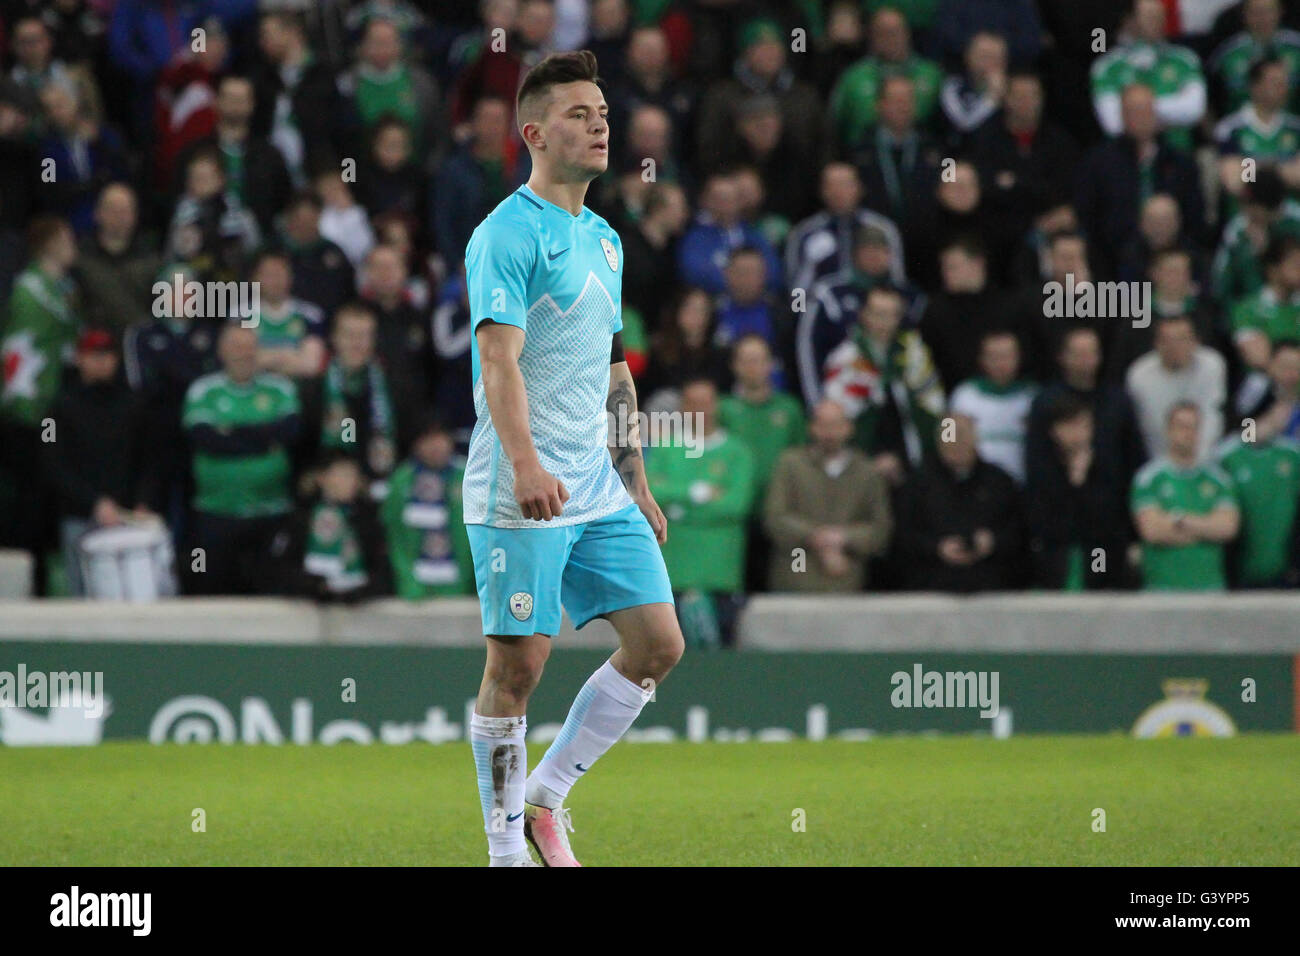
(555, 255)
(514, 816)
(581, 768)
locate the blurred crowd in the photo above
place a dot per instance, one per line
(968, 294)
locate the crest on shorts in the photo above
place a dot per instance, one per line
(521, 605)
(611, 254)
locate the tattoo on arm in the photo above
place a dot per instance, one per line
(624, 435)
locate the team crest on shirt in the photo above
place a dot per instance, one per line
(521, 605)
(611, 254)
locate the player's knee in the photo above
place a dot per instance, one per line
(517, 675)
(664, 654)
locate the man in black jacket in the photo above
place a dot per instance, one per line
(94, 463)
(1116, 177)
(1117, 443)
(1075, 507)
(958, 518)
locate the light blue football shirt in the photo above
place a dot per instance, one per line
(559, 277)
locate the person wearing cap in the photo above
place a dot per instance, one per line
(95, 467)
(761, 68)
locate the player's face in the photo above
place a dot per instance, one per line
(577, 130)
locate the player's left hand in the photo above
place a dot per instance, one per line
(658, 523)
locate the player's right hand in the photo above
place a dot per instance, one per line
(541, 496)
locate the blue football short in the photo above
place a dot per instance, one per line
(525, 575)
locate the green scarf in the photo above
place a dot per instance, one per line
(339, 385)
(333, 549)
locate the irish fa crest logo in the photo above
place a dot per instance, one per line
(611, 254)
(521, 605)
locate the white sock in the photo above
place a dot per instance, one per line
(501, 763)
(601, 714)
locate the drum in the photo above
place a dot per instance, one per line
(129, 562)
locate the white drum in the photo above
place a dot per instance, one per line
(129, 562)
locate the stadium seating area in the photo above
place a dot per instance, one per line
(968, 295)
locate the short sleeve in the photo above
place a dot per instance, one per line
(498, 262)
(616, 325)
(1143, 494)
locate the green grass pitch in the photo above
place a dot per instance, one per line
(951, 801)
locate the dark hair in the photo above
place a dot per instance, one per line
(1278, 248)
(967, 243)
(553, 70)
(43, 230)
(1056, 237)
(355, 307)
(1268, 189)
(1074, 329)
(1285, 344)
(1258, 67)
(1066, 407)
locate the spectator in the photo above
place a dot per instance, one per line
(343, 220)
(384, 84)
(210, 229)
(649, 249)
(85, 153)
(649, 81)
(116, 266)
(956, 212)
(1276, 412)
(834, 301)
(899, 164)
(966, 307)
(1178, 371)
(43, 320)
(960, 22)
(706, 248)
(254, 172)
(1262, 130)
(885, 381)
(1265, 476)
(1266, 213)
(35, 65)
(958, 518)
(185, 100)
(94, 466)
(1172, 74)
(1074, 506)
(390, 182)
(1185, 511)
(971, 99)
(861, 88)
(823, 243)
(474, 179)
(297, 99)
(746, 307)
(336, 542)
(826, 509)
(163, 357)
(1262, 37)
(404, 346)
(684, 349)
(451, 343)
(290, 332)
(768, 421)
(761, 68)
(241, 425)
(763, 142)
(351, 407)
(1025, 161)
(1273, 313)
(1116, 438)
(708, 499)
(428, 547)
(998, 402)
(321, 272)
(1160, 228)
(1116, 177)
